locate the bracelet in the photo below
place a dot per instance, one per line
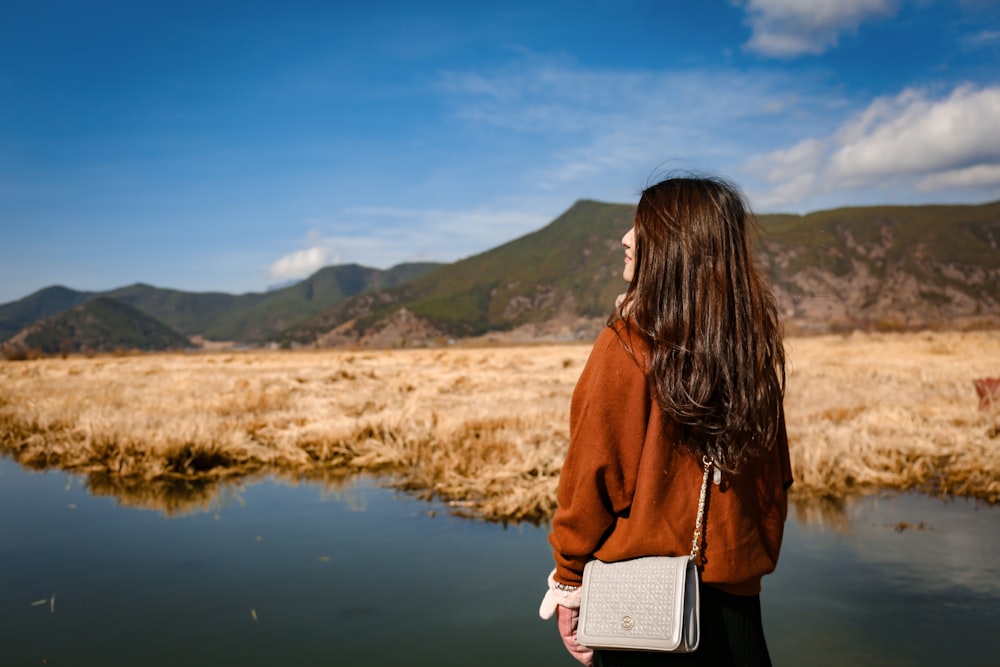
(565, 588)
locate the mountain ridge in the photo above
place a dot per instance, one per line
(874, 268)
(101, 324)
(251, 318)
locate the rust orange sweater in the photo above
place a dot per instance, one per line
(628, 489)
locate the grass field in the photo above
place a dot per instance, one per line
(482, 428)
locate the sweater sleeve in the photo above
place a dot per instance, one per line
(608, 419)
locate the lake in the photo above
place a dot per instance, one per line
(276, 573)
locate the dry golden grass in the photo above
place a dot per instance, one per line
(483, 428)
(893, 411)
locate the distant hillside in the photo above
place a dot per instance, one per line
(873, 268)
(556, 279)
(870, 268)
(246, 318)
(44, 303)
(324, 289)
(254, 317)
(99, 325)
(886, 267)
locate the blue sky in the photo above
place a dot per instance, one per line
(230, 146)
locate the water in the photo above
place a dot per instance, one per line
(328, 574)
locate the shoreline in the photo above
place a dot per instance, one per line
(482, 429)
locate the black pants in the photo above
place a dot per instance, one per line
(731, 634)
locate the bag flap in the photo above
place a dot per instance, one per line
(634, 604)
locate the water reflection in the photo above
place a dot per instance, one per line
(947, 542)
(175, 497)
(178, 496)
(931, 543)
(172, 497)
(337, 569)
(960, 554)
(901, 579)
(823, 512)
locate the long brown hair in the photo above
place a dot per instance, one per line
(717, 361)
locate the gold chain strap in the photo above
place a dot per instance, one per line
(696, 542)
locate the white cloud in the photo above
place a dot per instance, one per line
(979, 176)
(912, 140)
(602, 134)
(300, 264)
(381, 237)
(788, 28)
(793, 174)
(913, 134)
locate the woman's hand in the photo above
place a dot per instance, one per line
(568, 619)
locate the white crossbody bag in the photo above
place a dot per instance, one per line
(644, 604)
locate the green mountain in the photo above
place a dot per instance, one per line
(99, 325)
(874, 268)
(565, 273)
(44, 303)
(255, 317)
(887, 268)
(246, 318)
(325, 288)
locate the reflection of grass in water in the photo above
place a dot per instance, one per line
(175, 496)
(172, 496)
(485, 429)
(823, 512)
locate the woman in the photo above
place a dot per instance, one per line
(690, 365)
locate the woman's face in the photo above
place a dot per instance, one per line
(628, 242)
